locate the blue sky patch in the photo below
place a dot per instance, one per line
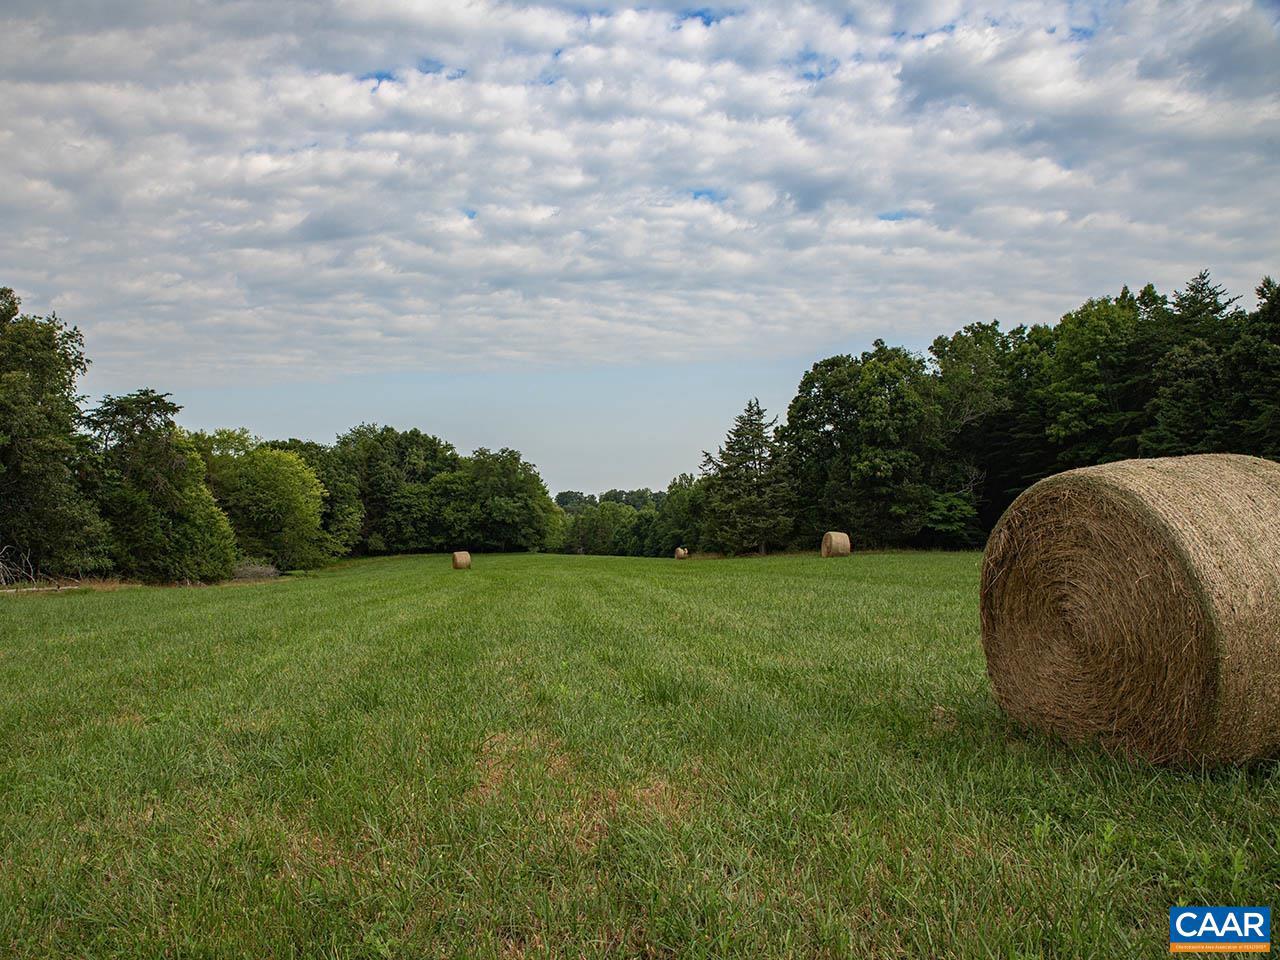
(378, 76)
(895, 215)
(813, 66)
(708, 15)
(708, 193)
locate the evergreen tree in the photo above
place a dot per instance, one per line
(1202, 310)
(1193, 401)
(1253, 367)
(748, 502)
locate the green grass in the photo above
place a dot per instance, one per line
(565, 756)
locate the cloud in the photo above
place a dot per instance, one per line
(233, 191)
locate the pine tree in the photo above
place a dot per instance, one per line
(1253, 367)
(748, 496)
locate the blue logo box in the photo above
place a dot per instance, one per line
(1219, 929)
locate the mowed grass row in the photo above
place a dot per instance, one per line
(576, 756)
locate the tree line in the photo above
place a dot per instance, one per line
(896, 447)
(121, 489)
(902, 449)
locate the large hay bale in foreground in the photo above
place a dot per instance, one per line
(1138, 603)
(682, 553)
(835, 544)
(461, 560)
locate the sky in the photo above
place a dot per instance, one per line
(592, 231)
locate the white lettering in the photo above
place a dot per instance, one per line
(1209, 924)
(1253, 924)
(1178, 923)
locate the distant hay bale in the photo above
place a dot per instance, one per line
(682, 553)
(461, 560)
(835, 544)
(1138, 604)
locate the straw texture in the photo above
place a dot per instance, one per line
(1138, 603)
(461, 560)
(835, 544)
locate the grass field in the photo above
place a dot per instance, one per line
(564, 756)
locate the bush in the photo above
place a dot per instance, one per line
(254, 568)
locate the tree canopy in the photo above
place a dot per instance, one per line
(47, 520)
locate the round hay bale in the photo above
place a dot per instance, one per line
(835, 544)
(1138, 604)
(461, 560)
(682, 553)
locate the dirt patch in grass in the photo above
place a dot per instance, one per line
(943, 719)
(316, 849)
(502, 752)
(127, 718)
(655, 797)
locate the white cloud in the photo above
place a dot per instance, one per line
(242, 189)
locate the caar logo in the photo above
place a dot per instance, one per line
(1219, 929)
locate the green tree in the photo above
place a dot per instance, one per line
(1197, 380)
(493, 501)
(616, 520)
(748, 504)
(972, 390)
(640, 541)
(1189, 411)
(1202, 311)
(680, 517)
(274, 501)
(343, 513)
(1016, 449)
(165, 524)
(639, 499)
(574, 501)
(1093, 415)
(1252, 363)
(862, 437)
(605, 528)
(558, 526)
(46, 519)
(219, 450)
(385, 462)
